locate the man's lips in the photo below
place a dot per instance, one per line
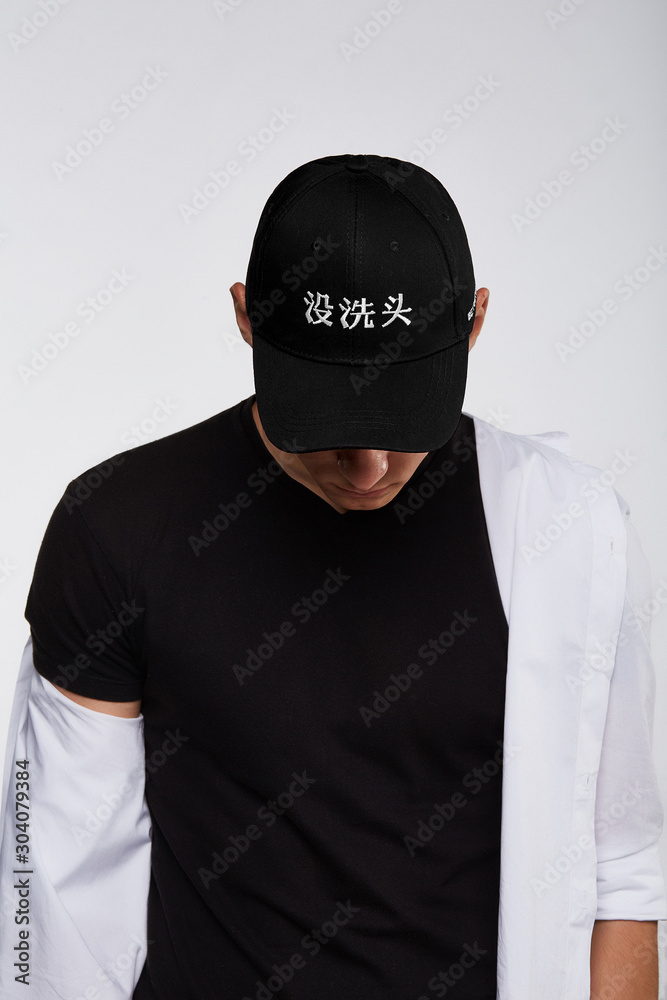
(370, 493)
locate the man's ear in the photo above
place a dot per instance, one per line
(238, 295)
(480, 312)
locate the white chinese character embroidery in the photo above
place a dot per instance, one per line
(396, 310)
(358, 308)
(320, 306)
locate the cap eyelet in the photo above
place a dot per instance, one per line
(393, 245)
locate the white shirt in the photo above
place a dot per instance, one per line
(581, 810)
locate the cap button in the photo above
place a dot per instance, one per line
(356, 163)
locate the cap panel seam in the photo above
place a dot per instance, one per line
(419, 206)
(277, 216)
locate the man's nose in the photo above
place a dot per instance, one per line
(362, 468)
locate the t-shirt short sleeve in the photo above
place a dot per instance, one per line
(85, 625)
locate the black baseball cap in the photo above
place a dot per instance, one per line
(361, 297)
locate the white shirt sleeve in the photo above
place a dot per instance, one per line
(628, 808)
(73, 905)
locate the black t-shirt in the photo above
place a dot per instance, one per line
(323, 701)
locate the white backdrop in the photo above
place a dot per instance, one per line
(143, 138)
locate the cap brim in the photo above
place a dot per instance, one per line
(307, 405)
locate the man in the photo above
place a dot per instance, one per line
(396, 706)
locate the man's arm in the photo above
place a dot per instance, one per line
(124, 709)
(628, 810)
(75, 846)
(624, 960)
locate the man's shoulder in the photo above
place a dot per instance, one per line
(546, 454)
(157, 473)
(544, 442)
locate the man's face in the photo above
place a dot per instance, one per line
(360, 479)
(348, 478)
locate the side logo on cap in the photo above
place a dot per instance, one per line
(319, 310)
